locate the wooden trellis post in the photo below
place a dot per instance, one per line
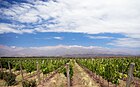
(130, 75)
(9, 67)
(21, 72)
(38, 73)
(68, 75)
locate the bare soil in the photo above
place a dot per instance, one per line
(59, 80)
(81, 78)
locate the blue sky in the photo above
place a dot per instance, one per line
(52, 39)
(69, 23)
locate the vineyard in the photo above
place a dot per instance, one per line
(70, 72)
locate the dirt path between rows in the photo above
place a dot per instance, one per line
(59, 80)
(81, 78)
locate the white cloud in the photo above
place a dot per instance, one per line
(90, 16)
(99, 37)
(47, 38)
(26, 30)
(13, 47)
(126, 42)
(58, 38)
(28, 18)
(135, 35)
(6, 28)
(63, 50)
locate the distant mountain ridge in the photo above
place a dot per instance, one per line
(96, 55)
(66, 51)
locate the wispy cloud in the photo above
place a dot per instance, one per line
(90, 16)
(135, 35)
(126, 42)
(99, 37)
(8, 28)
(48, 38)
(58, 38)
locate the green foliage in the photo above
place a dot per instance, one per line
(4, 64)
(30, 66)
(17, 66)
(71, 71)
(63, 70)
(51, 65)
(8, 77)
(1, 75)
(111, 68)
